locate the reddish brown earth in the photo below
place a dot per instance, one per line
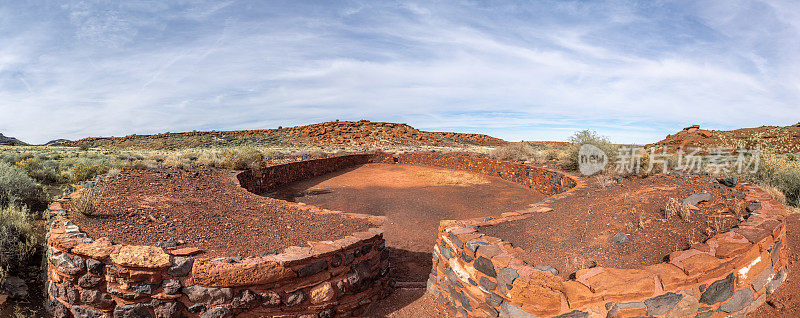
(414, 199)
(775, 139)
(207, 209)
(340, 133)
(578, 232)
(785, 302)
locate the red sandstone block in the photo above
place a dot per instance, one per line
(618, 284)
(671, 277)
(213, 274)
(745, 274)
(579, 295)
(728, 244)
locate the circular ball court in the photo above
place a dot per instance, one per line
(330, 237)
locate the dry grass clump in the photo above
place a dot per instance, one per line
(241, 159)
(676, 208)
(89, 201)
(780, 172)
(18, 239)
(16, 187)
(526, 151)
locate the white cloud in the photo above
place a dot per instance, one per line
(147, 69)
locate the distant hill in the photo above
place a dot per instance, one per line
(340, 133)
(775, 139)
(56, 142)
(11, 141)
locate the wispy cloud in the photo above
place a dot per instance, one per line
(634, 71)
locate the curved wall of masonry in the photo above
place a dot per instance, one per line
(96, 278)
(729, 275)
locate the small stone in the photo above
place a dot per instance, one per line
(169, 310)
(510, 311)
(89, 281)
(507, 276)
(64, 264)
(170, 242)
(186, 251)
(270, 299)
(574, 314)
(694, 199)
(329, 313)
(294, 298)
(144, 288)
(313, 268)
(68, 292)
(131, 311)
(473, 246)
(247, 299)
(547, 268)
(80, 312)
(322, 293)
(218, 312)
(181, 266)
(620, 238)
(661, 304)
(97, 299)
(141, 256)
(753, 207)
(447, 252)
(95, 267)
(741, 299)
(196, 308)
(171, 286)
(776, 282)
(728, 182)
(487, 284)
(485, 266)
(209, 296)
(718, 291)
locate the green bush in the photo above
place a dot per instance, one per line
(18, 239)
(17, 187)
(569, 159)
(241, 159)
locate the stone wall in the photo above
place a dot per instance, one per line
(93, 277)
(729, 275)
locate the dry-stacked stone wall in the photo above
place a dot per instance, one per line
(94, 277)
(730, 274)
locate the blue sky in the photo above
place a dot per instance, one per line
(539, 70)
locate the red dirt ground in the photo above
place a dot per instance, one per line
(206, 208)
(578, 232)
(775, 139)
(414, 199)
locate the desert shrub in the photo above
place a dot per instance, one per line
(84, 171)
(18, 239)
(783, 174)
(241, 159)
(88, 202)
(514, 151)
(568, 160)
(17, 187)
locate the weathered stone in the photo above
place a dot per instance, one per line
(64, 264)
(687, 307)
(171, 286)
(246, 299)
(89, 281)
(186, 251)
(97, 299)
(141, 256)
(547, 268)
(452, 278)
(270, 299)
(68, 292)
(336, 260)
(763, 278)
(775, 253)
(447, 252)
(95, 267)
(741, 299)
(328, 313)
(456, 241)
(144, 288)
(208, 296)
(99, 249)
(507, 276)
(131, 311)
(218, 312)
(661, 304)
(124, 294)
(574, 314)
(510, 311)
(59, 310)
(196, 308)
(214, 274)
(718, 291)
(635, 309)
(313, 268)
(170, 242)
(728, 182)
(620, 238)
(539, 291)
(169, 310)
(618, 284)
(294, 298)
(694, 199)
(181, 266)
(753, 207)
(359, 277)
(322, 293)
(473, 245)
(80, 312)
(485, 266)
(487, 284)
(776, 282)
